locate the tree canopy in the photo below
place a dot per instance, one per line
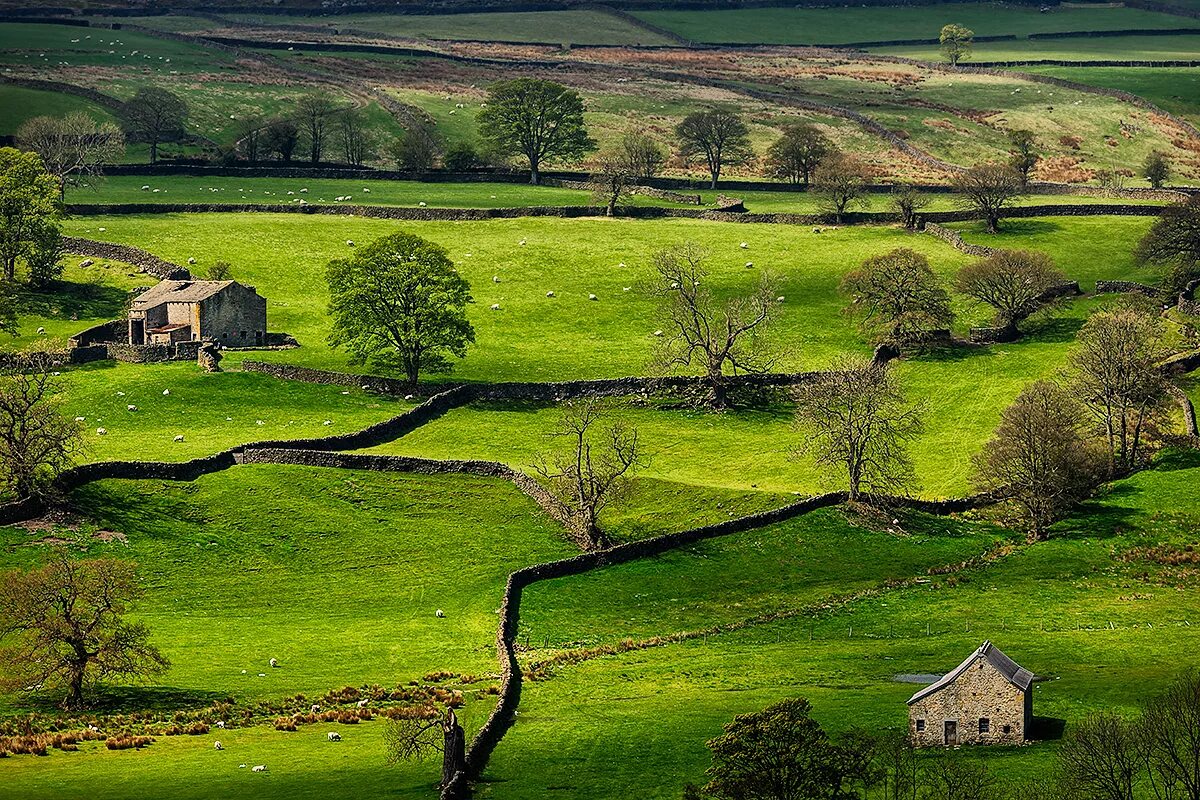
(899, 297)
(399, 303)
(720, 136)
(30, 210)
(155, 116)
(537, 119)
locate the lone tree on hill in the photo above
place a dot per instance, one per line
(400, 303)
(610, 183)
(908, 201)
(37, 441)
(1016, 283)
(1157, 169)
(699, 328)
(782, 753)
(422, 731)
(956, 42)
(1114, 373)
(855, 420)
(899, 298)
(720, 136)
(1101, 757)
(1024, 153)
(1039, 457)
(538, 119)
(1173, 244)
(643, 155)
(155, 116)
(74, 147)
(839, 182)
(797, 152)
(594, 467)
(313, 115)
(62, 626)
(30, 210)
(988, 189)
(282, 137)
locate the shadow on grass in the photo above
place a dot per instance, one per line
(511, 406)
(123, 699)
(1101, 517)
(1046, 729)
(1051, 330)
(1173, 460)
(74, 300)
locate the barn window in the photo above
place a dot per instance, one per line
(1007, 728)
(985, 725)
(920, 726)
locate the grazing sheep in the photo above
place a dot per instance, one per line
(145, 188)
(744, 245)
(366, 190)
(495, 306)
(131, 408)
(221, 725)
(749, 264)
(779, 299)
(363, 703)
(408, 397)
(87, 262)
(304, 191)
(166, 392)
(120, 394)
(592, 297)
(334, 736)
(259, 768)
(422, 204)
(273, 663)
(658, 333)
(440, 614)
(495, 279)
(81, 419)
(326, 422)
(217, 746)
(621, 265)
(550, 293)
(349, 243)
(178, 438)
(339, 199)
(41, 331)
(102, 230)
(816, 230)
(191, 261)
(101, 431)
(522, 243)
(315, 708)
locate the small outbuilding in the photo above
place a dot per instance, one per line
(987, 699)
(192, 311)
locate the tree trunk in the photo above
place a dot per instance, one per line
(718, 392)
(716, 174)
(10, 268)
(993, 223)
(74, 698)
(534, 171)
(612, 207)
(454, 753)
(153, 151)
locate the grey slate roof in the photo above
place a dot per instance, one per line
(1015, 674)
(178, 292)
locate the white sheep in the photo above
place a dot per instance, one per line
(749, 264)
(221, 725)
(592, 297)
(779, 299)
(273, 663)
(550, 293)
(522, 243)
(146, 188)
(334, 736)
(41, 331)
(440, 614)
(408, 397)
(166, 392)
(81, 419)
(339, 199)
(326, 422)
(658, 333)
(315, 708)
(217, 746)
(349, 243)
(259, 768)
(495, 279)
(744, 245)
(87, 262)
(101, 431)
(363, 703)
(191, 260)
(495, 306)
(422, 204)
(178, 438)
(304, 191)
(621, 265)
(366, 190)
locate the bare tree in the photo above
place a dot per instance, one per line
(716, 336)
(719, 135)
(798, 151)
(899, 297)
(424, 731)
(594, 467)
(988, 189)
(839, 182)
(1173, 243)
(610, 183)
(313, 114)
(1016, 283)
(356, 137)
(1101, 758)
(1170, 731)
(155, 116)
(899, 768)
(281, 137)
(907, 201)
(74, 147)
(1114, 372)
(855, 420)
(947, 777)
(251, 138)
(642, 154)
(63, 626)
(37, 441)
(1038, 456)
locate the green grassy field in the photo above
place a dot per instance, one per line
(49, 46)
(1102, 632)
(556, 27)
(842, 25)
(1182, 47)
(1172, 89)
(22, 104)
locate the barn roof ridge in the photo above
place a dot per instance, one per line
(1013, 672)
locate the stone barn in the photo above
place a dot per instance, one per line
(192, 311)
(987, 699)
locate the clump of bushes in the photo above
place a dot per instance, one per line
(125, 742)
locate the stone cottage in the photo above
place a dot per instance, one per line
(192, 311)
(987, 699)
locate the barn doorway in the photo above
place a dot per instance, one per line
(951, 731)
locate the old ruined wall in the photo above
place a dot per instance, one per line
(980, 692)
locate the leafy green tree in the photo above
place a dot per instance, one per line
(1024, 153)
(1013, 282)
(460, 157)
(281, 137)
(780, 753)
(797, 152)
(537, 119)
(1173, 244)
(1157, 169)
(417, 150)
(719, 135)
(988, 189)
(956, 42)
(899, 297)
(29, 216)
(400, 303)
(839, 182)
(155, 116)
